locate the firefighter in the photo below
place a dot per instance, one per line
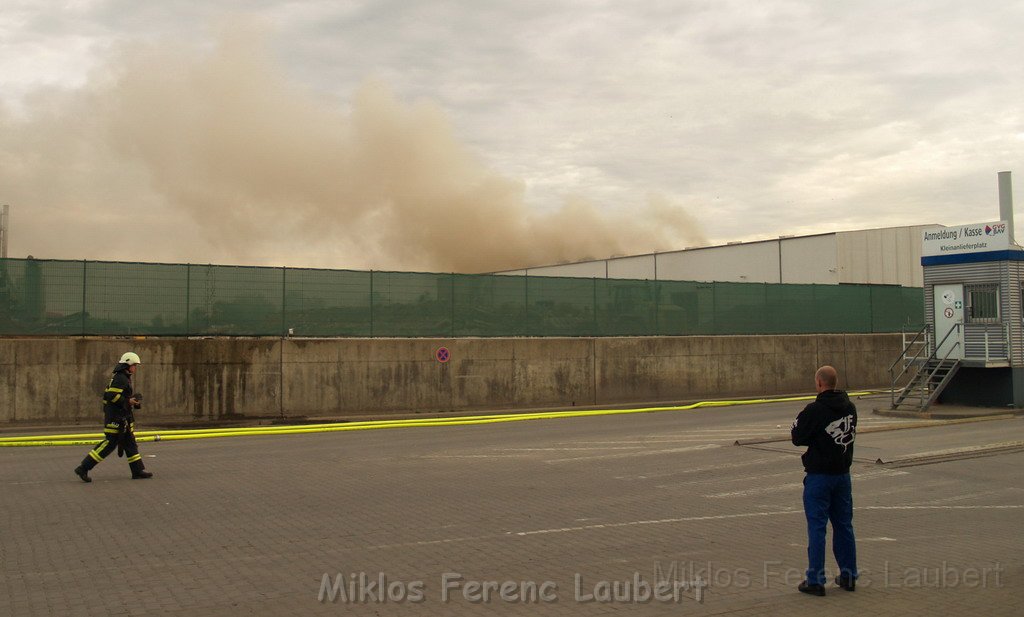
(119, 403)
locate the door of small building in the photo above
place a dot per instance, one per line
(949, 310)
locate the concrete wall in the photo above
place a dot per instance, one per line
(60, 380)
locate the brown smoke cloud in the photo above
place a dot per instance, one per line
(215, 156)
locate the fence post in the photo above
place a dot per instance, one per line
(284, 292)
(526, 305)
(188, 299)
(657, 302)
(85, 264)
(714, 308)
(371, 303)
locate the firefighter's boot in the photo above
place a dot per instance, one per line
(138, 471)
(82, 473)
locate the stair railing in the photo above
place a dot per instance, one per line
(933, 357)
(921, 339)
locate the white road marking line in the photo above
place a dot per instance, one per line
(967, 449)
(638, 442)
(868, 475)
(961, 497)
(738, 429)
(564, 449)
(685, 519)
(430, 542)
(708, 446)
(790, 472)
(722, 517)
(682, 436)
(979, 507)
(471, 456)
(760, 461)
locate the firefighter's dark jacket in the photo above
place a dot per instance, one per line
(119, 392)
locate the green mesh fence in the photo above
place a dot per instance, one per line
(50, 297)
(327, 302)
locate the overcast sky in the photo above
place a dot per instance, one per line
(475, 135)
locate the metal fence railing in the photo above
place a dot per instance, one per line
(57, 297)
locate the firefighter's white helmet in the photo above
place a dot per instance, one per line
(130, 358)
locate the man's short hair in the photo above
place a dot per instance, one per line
(827, 376)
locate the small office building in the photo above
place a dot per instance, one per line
(973, 287)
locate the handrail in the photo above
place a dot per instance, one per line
(915, 360)
(938, 346)
(902, 357)
(906, 346)
(931, 361)
(932, 355)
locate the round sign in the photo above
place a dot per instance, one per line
(948, 313)
(442, 354)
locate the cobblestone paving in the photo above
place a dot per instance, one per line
(565, 513)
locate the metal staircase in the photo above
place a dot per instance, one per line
(925, 374)
(926, 385)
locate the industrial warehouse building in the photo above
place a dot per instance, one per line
(886, 256)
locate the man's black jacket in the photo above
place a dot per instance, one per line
(827, 427)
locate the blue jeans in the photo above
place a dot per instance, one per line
(829, 498)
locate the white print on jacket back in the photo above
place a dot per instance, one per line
(842, 431)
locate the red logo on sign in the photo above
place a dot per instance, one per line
(443, 355)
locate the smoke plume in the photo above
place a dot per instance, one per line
(215, 156)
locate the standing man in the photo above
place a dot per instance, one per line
(828, 427)
(119, 402)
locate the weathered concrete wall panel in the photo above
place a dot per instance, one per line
(8, 380)
(60, 380)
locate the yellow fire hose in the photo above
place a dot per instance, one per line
(87, 439)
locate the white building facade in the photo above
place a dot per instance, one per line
(887, 256)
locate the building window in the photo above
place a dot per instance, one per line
(982, 303)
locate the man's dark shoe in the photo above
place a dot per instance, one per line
(814, 590)
(846, 582)
(142, 475)
(83, 474)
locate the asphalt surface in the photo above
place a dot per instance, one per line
(579, 516)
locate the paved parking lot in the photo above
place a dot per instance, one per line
(578, 516)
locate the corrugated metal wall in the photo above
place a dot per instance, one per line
(1013, 302)
(1006, 274)
(756, 262)
(809, 259)
(888, 256)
